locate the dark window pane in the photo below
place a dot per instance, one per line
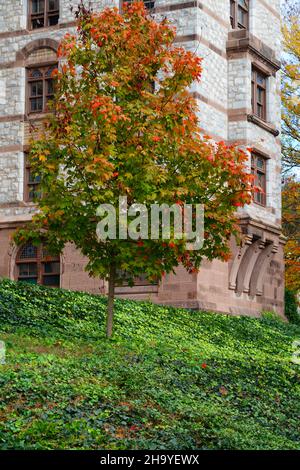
(260, 163)
(260, 198)
(37, 23)
(52, 5)
(53, 20)
(52, 267)
(50, 87)
(258, 168)
(33, 178)
(34, 193)
(36, 104)
(242, 19)
(260, 95)
(36, 88)
(261, 179)
(51, 280)
(23, 269)
(27, 269)
(149, 4)
(37, 6)
(261, 79)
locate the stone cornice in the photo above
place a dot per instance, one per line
(243, 41)
(251, 226)
(14, 221)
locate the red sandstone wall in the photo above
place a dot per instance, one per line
(208, 290)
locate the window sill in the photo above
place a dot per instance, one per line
(66, 24)
(263, 124)
(262, 206)
(37, 116)
(45, 28)
(27, 203)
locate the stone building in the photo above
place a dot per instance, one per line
(239, 98)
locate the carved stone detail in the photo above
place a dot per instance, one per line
(259, 271)
(247, 266)
(238, 260)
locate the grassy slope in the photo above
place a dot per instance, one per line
(64, 386)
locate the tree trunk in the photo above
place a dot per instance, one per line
(110, 303)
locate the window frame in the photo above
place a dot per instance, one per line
(45, 15)
(43, 68)
(27, 182)
(235, 7)
(41, 259)
(255, 95)
(260, 198)
(138, 281)
(149, 4)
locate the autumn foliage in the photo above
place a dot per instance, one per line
(291, 91)
(124, 123)
(291, 226)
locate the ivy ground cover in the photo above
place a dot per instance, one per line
(169, 379)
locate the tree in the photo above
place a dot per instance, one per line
(291, 143)
(291, 90)
(291, 227)
(125, 124)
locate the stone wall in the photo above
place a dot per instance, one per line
(224, 97)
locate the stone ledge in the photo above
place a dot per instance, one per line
(250, 226)
(136, 289)
(263, 124)
(243, 41)
(27, 32)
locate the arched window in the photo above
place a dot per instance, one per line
(35, 265)
(239, 14)
(43, 13)
(40, 88)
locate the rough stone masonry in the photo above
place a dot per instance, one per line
(238, 40)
